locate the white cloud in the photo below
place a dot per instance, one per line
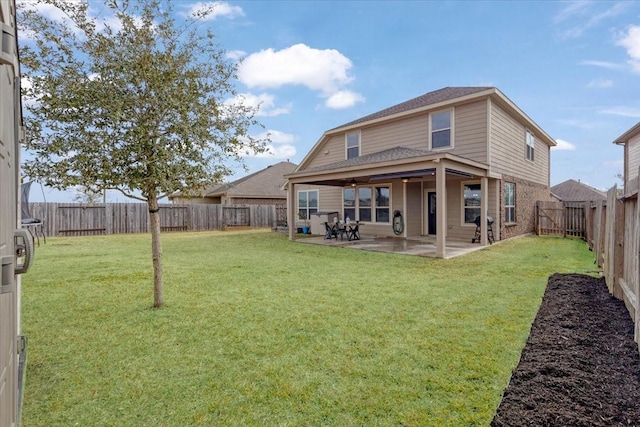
(600, 84)
(563, 146)
(210, 11)
(265, 103)
(280, 145)
(602, 64)
(571, 9)
(277, 137)
(343, 99)
(622, 111)
(584, 16)
(283, 151)
(325, 71)
(631, 42)
(46, 10)
(235, 54)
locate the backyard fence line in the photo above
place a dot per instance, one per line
(612, 233)
(75, 219)
(565, 219)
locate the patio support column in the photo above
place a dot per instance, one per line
(291, 201)
(404, 208)
(441, 210)
(484, 203)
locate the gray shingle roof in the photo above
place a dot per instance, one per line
(435, 97)
(264, 183)
(396, 153)
(575, 191)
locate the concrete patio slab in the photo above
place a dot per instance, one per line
(424, 246)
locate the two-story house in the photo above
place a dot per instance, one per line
(439, 161)
(630, 140)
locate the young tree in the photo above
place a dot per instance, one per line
(86, 195)
(137, 103)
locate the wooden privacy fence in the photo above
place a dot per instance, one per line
(62, 219)
(560, 218)
(613, 228)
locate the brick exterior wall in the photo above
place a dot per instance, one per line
(527, 194)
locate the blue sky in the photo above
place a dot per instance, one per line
(573, 67)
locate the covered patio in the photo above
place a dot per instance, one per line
(408, 173)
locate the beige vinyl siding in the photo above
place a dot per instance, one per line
(470, 130)
(332, 150)
(508, 149)
(412, 132)
(330, 199)
(633, 147)
(455, 229)
(470, 134)
(413, 215)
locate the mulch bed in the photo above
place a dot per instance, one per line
(580, 365)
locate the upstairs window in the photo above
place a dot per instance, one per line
(530, 142)
(441, 129)
(353, 145)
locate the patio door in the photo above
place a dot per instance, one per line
(431, 212)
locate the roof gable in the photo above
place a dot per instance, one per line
(441, 98)
(575, 191)
(264, 183)
(430, 98)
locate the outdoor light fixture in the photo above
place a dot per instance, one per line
(405, 180)
(353, 182)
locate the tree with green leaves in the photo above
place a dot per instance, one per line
(87, 195)
(139, 103)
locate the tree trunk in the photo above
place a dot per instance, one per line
(156, 252)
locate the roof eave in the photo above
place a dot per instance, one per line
(436, 106)
(625, 137)
(547, 138)
(348, 171)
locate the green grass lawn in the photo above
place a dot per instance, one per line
(260, 331)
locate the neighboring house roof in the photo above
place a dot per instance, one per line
(625, 137)
(575, 191)
(266, 183)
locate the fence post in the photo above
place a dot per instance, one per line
(618, 251)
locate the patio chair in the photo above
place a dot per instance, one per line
(35, 226)
(354, 232)
(330, 232)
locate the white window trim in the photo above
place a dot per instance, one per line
(514, 205)
(451, 129)
(373, 203)
(346, 143)
(462, 206)
(298, 202)
(527, 132)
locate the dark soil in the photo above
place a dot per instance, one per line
(580, 365)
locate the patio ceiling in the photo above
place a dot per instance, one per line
(388, 165)
(359, 179)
